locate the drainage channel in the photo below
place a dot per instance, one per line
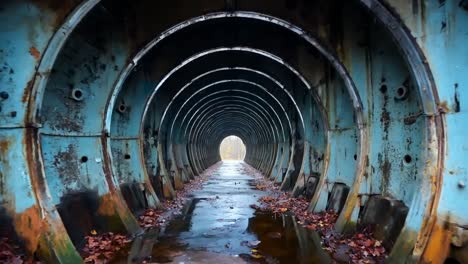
(218, 225)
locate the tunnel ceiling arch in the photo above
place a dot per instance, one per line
(334, 101)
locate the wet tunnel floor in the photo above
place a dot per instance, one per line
(218, 225)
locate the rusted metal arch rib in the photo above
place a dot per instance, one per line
(266, 131)
(257, 108)
(217, 99)
(185, 117)
(270, 149)
(245, 132)
(260, 157)
(242, 92)
(224, 69)
(422, 212)
(358, 117)
(254, 151)
(356, 102)
(244, 82)
(243, 69)
(62, 249)
(234, 104)
(261, 128)
(346, 214)
(212, 51)
(195, 57)
(174, 120)
(194, 115)
(106, 144)
(240, 118)
(251, 124)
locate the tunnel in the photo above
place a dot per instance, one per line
(107, 108)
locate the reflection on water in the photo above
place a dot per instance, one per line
(285, 241)
(277, 239)
(219, 226)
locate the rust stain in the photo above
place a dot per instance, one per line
(119, 203)
(178, 182)
(28, 225)
(34, 167)
(35, 53)
(4, 146)
(438, 246)
(27, 91)
(168, 192)
(106, 205)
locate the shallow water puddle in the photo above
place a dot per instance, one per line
(219, 226)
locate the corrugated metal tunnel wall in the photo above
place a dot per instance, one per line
(108, 106)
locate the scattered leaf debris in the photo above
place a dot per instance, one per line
(359, 247)
(103, 248)
(10, 252)
(153, 218)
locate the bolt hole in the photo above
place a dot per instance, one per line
(408, 159)
(355, 157)
(77, 94)
(127, 156)
(122, 108)
(84, 159)
(401, 93)
(383, 88)
(4, 95)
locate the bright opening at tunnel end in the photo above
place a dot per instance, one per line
(232, 148)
